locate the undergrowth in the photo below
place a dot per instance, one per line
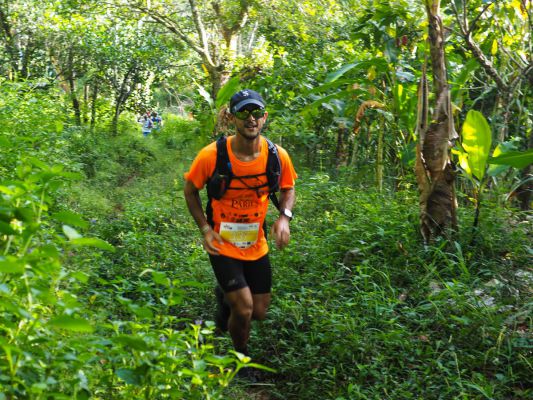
(361, 309)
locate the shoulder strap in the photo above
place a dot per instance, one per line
(223, 165)
(273, 172)
(219, 182)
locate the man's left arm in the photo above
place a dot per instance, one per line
(280, 229)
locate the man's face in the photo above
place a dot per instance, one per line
(250, 127)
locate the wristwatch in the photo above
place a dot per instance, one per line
(286, 212)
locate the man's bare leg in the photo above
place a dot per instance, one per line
(242, 307)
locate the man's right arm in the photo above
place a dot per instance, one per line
(194, 203)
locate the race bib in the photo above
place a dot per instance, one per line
(240, 235)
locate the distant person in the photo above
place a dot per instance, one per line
(157, 121)
(147, 124)
(233, 230)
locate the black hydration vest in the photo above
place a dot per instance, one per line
(220, 181)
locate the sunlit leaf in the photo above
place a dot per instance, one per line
(463, 160)
(476, 140)
(227, 91)
(71, 324)
(11, 267)
(517, 159)
(205, 94)
(92, 242)
(501, 148)
(494, 47)
(132, 342)
(80, 276)
(70, 218)
(378, 63)
(371, 73)
(70, 232)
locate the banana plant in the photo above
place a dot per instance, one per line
(474, 151)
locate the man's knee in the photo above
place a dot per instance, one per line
(242, 311)
(261, 303)
(259, 313)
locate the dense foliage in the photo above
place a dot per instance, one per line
(105, 289)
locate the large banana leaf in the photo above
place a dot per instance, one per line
(379, 63)
(477, 139)
(517, 159)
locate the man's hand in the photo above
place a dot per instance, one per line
(211, 238)
(281, 232)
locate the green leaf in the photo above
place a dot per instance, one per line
(71, 324)
(329, 98)
(38, 163)
(59, 126)
(501, 148)
(517, 159)
(330, 85)
(129, 376)
(142, 312)
(92, 242)
(225, 93)
(463, 160)
(161, 278)
(132, 342)
(25, 214)
(75, 176)
(477, 139)
(199, 365)
(379, 63)
(70, 218)
(80, 276)
(333, 76)
(70, 232)
(6, 229)
(205, 94)
(11, 267)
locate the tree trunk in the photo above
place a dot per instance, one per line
(340, 153)
(74, 98)
(379, 156)
(218, 76)
(131, 78)
(86, 88)
(94, 98)
(116, 115)
(434, 170)
(9, 42)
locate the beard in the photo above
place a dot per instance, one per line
(244, 131)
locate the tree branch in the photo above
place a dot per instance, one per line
(473, 24)
(466, 33)
(201, 31)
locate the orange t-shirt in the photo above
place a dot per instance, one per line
(239, 215)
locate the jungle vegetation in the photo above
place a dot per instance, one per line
(409, 273)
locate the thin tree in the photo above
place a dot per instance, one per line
(434, 169)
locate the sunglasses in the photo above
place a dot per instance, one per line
(257, 113)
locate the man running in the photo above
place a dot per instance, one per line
(233, 232)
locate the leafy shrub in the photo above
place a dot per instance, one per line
(32, 122)
(179, 133)
(362, 310)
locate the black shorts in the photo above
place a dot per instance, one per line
(233, 274)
